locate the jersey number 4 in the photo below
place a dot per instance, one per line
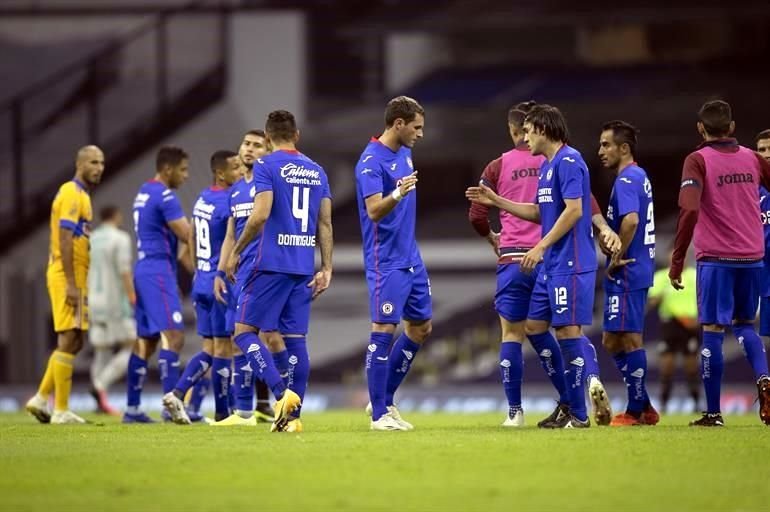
(301, 210)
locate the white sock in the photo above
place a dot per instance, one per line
(115, 369)
(102, 357)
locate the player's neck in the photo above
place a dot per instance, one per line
(390, 139)
(551, 148)
(285, 146)
(81, 181)
(624, 162)
(162, 179)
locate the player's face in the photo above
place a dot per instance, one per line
(410, 133)
(252, 147)
(91, 166)
(234, 171)
(763, 148)
(609, 151)
(534, 139)
(179, 174)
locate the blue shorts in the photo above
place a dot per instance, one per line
(764, 316)
(272, 301)
(727, 292)
(211, 316)
(514, 290)
(158, 307)
(565, 299)
(624, 311)
(401, 293)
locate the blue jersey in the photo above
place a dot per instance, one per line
(632, 193)
(566, 177)
(289, 236)
(764, 208)
(241, 203)
(155, 206)
(210, 215)
(389, 244)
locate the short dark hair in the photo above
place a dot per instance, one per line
(281, 125)
(623, 133)
(764, 134)
(256, 132)
(716, 116)
(550, 121)
(108, 212)
(169, 155)
(402, 107)
(219, 159)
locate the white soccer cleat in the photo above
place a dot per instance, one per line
(175, 407)
(37, 406)
(516, 421)
(368, 410)
(66, 418)
(387, 422)
(393, 412)
(600, 403)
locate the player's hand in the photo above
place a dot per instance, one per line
(617, 262)
(494, 240)
(408, 184)
(609, 241)
(531, 259)
(320, 282)
(676, 282)
(232, 266)
(220, 290)
(482, 195)
(72, 295)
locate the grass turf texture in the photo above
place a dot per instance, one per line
(451, 462)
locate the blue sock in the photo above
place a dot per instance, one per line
(753, 348)
(712, 367)
(196, 368)
(511, 371)
(621, 361)
(377, 371)
(299, 367)
(575, 351)
(243, 384)
(400, 360)
(592, 361)
(137, 372)
(281, 361)
(551, 360)
(199, 391)
(220, 381)
(168, 363)
(261, 362)
(635, 383)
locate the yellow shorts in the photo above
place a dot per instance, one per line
(65, 316)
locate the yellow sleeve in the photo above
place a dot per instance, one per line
(659, 284)
(69, 206)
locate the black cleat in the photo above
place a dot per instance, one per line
(561, 411)
(763, 395)
(570, 421)
(709, 420)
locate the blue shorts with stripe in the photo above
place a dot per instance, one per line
(273, 301)
(624, 311)
(514, 291)
(158, 307)
(728, 291)
(563, 299)
(399, 293)
(211, 316)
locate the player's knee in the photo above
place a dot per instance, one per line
(512, 331)
(274, 341)
(223, 348)
(568, 332)
(535, 327)
(386, 328)
(208, 345)
(175, 340)
(419, 332)
(713, 328)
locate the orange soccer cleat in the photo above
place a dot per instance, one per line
(625, 420)
(650, 416)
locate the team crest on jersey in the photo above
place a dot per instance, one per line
(253, 191)
(549, 175)
(409, 162)
(387, 308)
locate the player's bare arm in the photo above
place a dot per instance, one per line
(573, 209)
(220, 287)
(263, 203)
(377, 207)
(323, 277)
(628, 228)
(488, 197)
(67, 260)
(609, 241)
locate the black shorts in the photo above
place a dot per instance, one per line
(678, 339)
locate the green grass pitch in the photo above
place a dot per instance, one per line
(450, 462)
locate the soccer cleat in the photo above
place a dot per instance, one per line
(66, 418)
(625, 420)
(175, 408)
(650, 416)
(600, 404)
(763, 393)
(264, 414)
(137, 418)
(102, 404)
(555, 417)
(195, 416)
(570, 421)
(294, 425)
(386, 422)
(517, 420)
(235, 420)
(283, 409)
(37, 406)
(709, 420)
(393, 410)
(369, 409)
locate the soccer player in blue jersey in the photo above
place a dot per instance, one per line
(254, 145)
(210, 217)
(398, 283)
(630, 272)
(160, 225)
(292, 213)
(763, 148)
(564, 291)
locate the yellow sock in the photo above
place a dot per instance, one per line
(62, 377)
(46, 384)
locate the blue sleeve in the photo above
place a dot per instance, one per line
(627, 195)
(327, 191)
(571, 176)
(369, 177)
(171, 207)
(262, 179)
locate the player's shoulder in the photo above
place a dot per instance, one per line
(570, 157)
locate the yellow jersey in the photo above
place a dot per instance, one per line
(71, 209)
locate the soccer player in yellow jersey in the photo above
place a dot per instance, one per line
(67, 279)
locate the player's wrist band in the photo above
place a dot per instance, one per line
(396, 195)
(220, 273)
